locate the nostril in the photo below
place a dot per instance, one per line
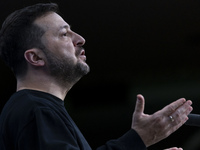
(79, 44)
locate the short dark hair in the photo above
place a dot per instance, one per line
(19, 33)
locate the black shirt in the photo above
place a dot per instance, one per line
(34, 120)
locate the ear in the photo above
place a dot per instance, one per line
(34, 57)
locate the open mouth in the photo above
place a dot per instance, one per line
(82, 55)
(82, 52)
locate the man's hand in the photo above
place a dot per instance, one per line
(174, 148)
(155, 127)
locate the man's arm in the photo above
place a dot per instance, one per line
(147, 129)
(129, 141)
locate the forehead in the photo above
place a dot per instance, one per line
(51, 21)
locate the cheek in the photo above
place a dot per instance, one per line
(67, 52)
(62, 49)
(67, 48)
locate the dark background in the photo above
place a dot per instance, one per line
(132, 46)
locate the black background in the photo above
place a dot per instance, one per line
(132, 46)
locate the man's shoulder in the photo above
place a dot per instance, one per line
(24, 103)
(25, 99)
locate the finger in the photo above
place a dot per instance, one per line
(180, 115)
(174, 148)
(139, 107)
(169, 109)
(186, 108)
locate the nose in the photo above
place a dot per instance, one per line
(78, 40)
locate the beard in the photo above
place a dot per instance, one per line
(64, 70)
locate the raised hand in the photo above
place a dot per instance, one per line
(174, 148)
(155, 127)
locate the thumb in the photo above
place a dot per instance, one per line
(139, 107)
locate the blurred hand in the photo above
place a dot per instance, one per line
(153, 128)
(174, 148)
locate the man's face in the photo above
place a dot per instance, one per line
(66, 58)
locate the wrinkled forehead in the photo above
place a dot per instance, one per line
(50, 21)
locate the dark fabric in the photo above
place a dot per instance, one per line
(34, 120)
(129, 141)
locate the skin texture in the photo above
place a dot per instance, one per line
(63, 62)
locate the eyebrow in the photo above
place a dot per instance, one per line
(65, 27)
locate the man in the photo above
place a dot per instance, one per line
(47, 59)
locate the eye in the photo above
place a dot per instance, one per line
(64, 34)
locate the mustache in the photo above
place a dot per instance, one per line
(79, 51)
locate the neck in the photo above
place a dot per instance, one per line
(44, 84)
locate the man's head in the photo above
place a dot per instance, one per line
(39, 29)
(19, 34)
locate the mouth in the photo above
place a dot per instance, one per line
(82, 52)
(82, 55)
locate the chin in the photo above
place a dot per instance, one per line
(83, 68)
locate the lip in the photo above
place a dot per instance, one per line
(82, 52)
(82, 55)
